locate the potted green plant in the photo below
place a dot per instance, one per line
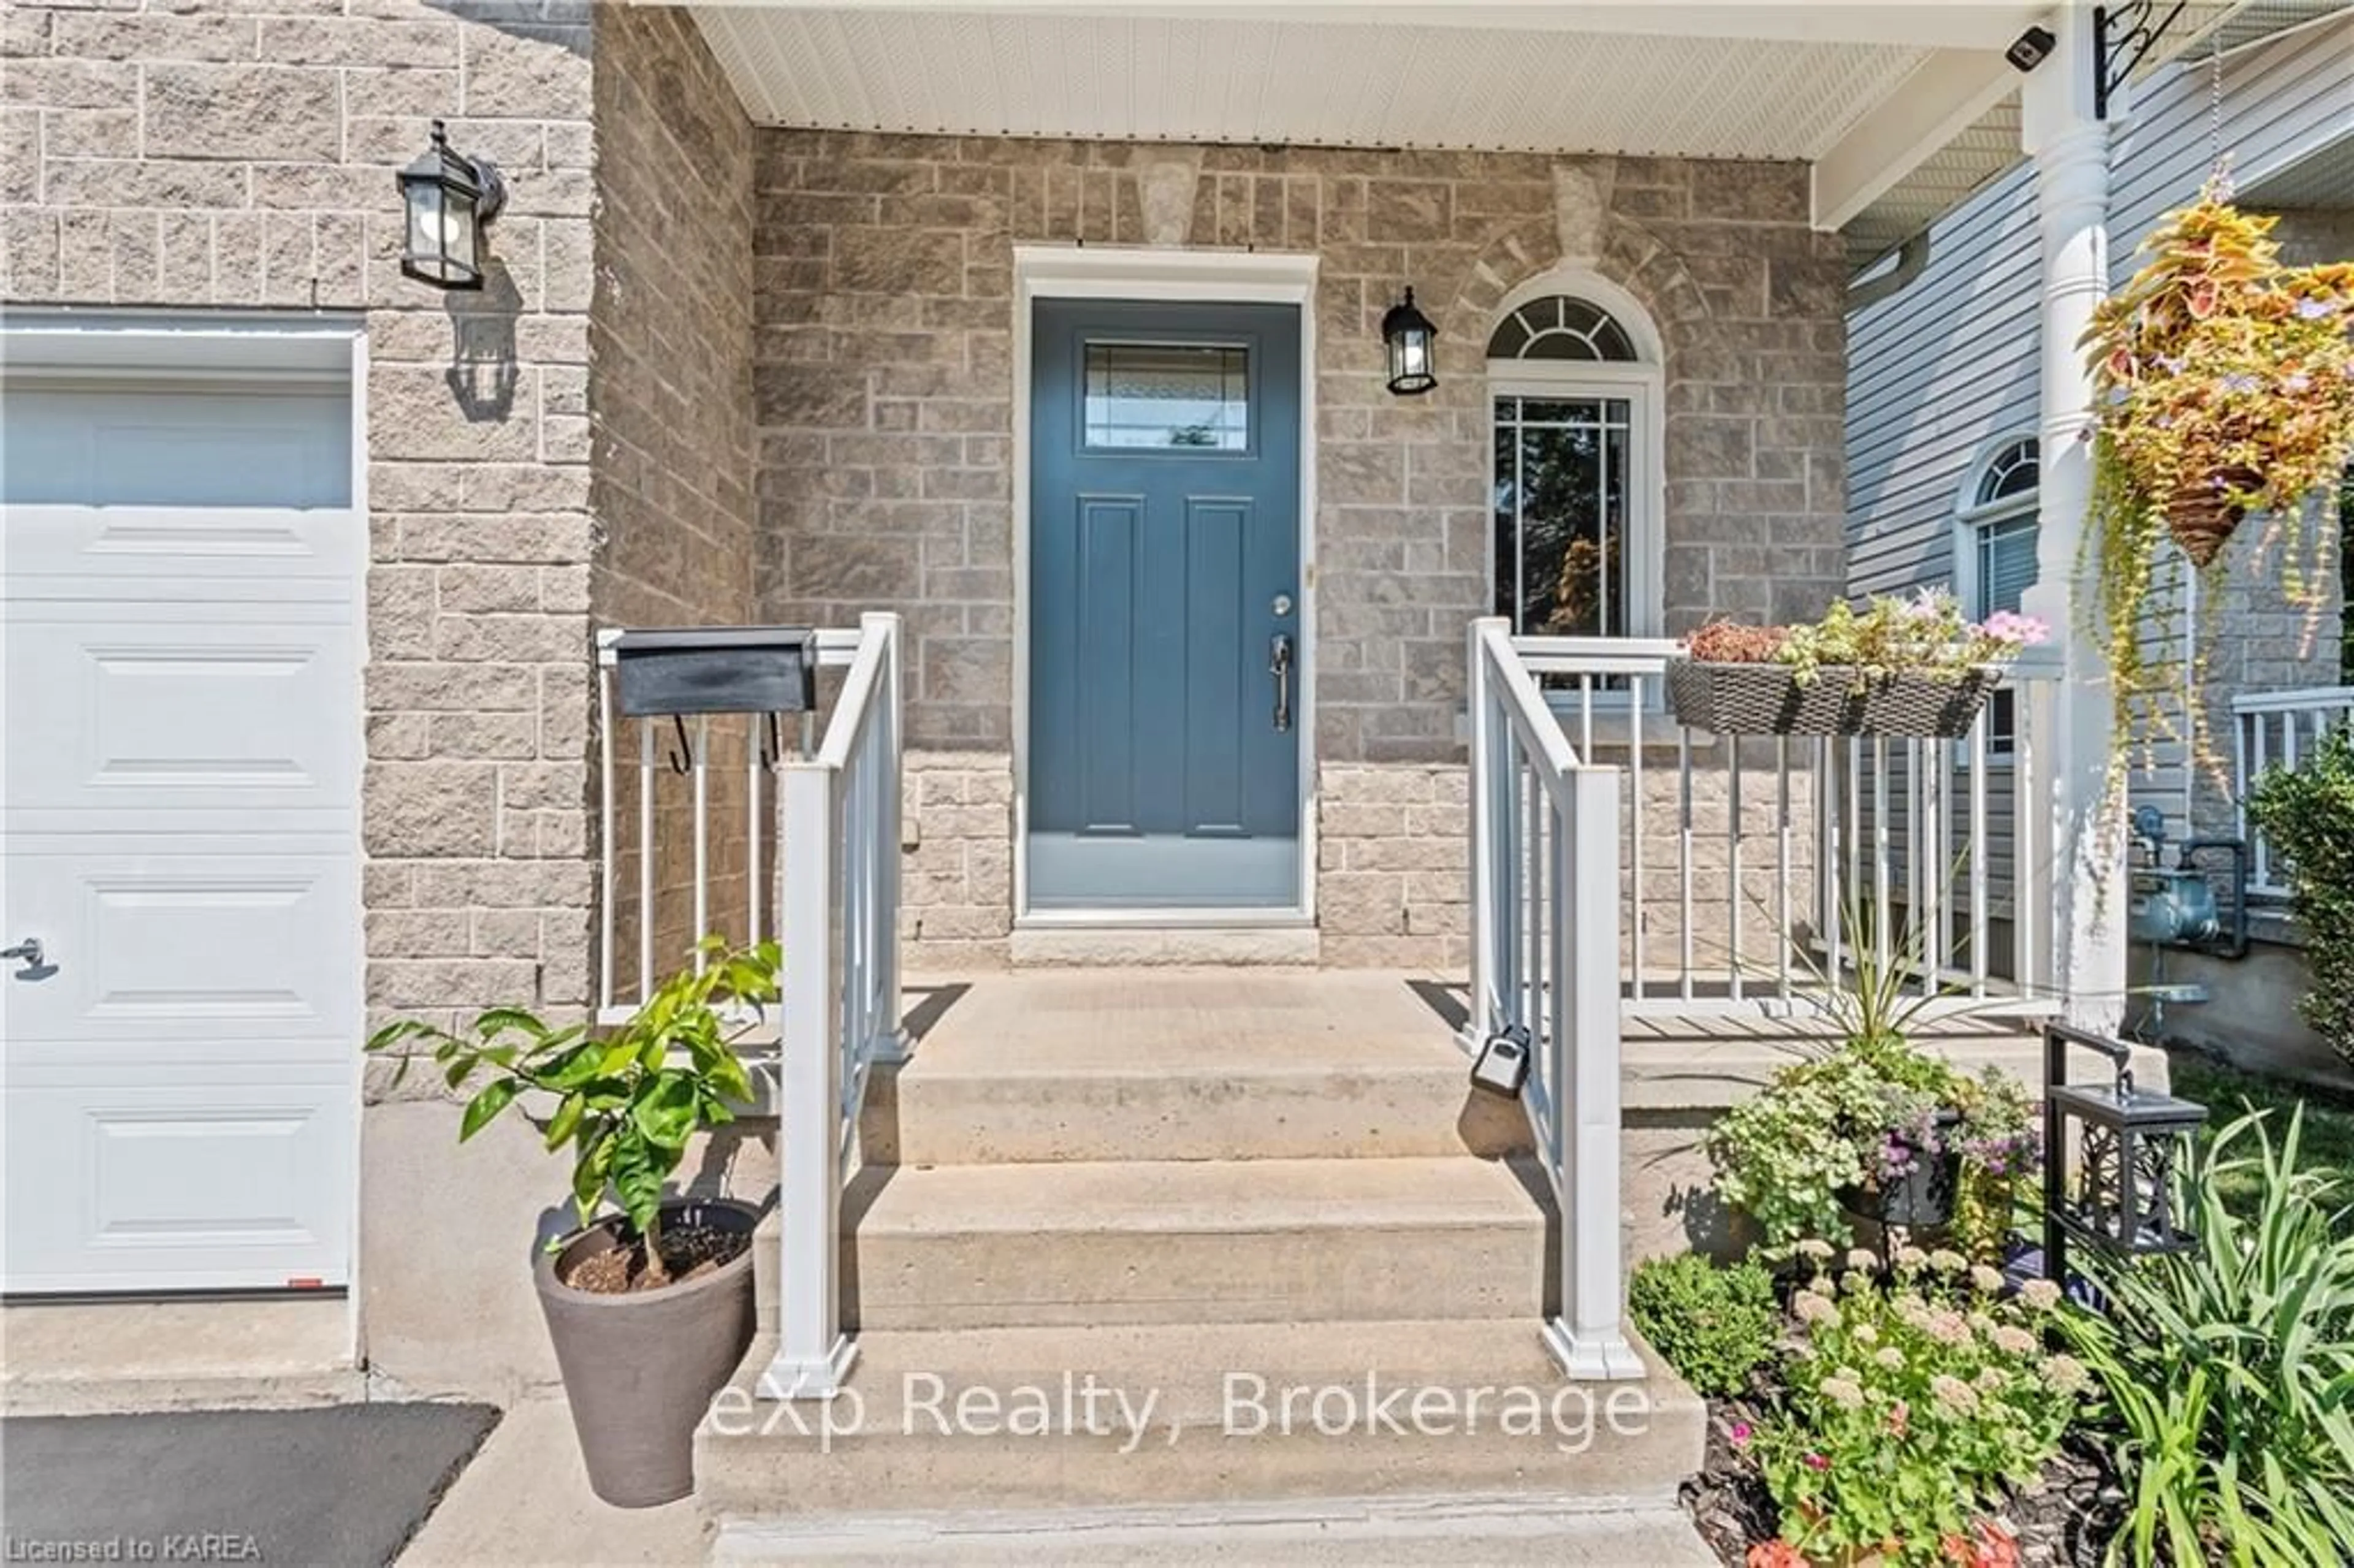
(650, 1307)
(2225, 387)
(1912, 666)
(1876, 1129)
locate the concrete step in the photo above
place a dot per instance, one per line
(1182, 1065)
(1337, 1533)
(970, 1246)
(934, 1423)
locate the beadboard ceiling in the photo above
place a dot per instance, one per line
(1832, 83)
(1392, 81)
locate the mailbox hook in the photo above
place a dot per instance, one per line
(682, 757)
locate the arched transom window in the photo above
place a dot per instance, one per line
(1561, 327)
(2011, 473)
(1994, 550)
(1575, 466)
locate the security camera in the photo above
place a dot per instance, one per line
(2030, 49)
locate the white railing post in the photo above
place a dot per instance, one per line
(2037, 877)
(890, 759)
(813, 1356)
(1589, 1338)
(1485, 887)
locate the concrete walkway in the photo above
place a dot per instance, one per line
(525, 1501)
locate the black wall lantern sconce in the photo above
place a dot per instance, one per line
(2130, 1144)
(1407, 334)
(449, 199)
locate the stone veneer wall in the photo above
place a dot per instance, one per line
(884, 385)
(670, 402)
(243, 155)
(240, 154)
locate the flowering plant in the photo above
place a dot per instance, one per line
(1910, 1405)
(2225, 387)
(1926, 634)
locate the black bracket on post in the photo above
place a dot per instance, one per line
(2123, 37)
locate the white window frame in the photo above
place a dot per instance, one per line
(1972, 519)
(1640, 385)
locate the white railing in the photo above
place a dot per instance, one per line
(1544, 945)
(653, 903)
(2278, 729)
(838, 907)
(824, 878)
(1741, 854)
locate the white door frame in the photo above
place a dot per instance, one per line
(97, 346)
(1189, 277)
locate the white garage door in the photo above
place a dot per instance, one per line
(180, 563)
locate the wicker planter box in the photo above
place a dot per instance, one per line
(1766, 699)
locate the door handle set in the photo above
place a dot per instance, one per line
(28, 952)
(1278, 664)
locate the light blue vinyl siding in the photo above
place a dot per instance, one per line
(1941, 373)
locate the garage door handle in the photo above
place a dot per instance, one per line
(27, 951)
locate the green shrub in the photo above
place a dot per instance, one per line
(2230, 1368)
(2308, 816)
(1713, 1325)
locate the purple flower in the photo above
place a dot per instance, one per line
(2240, 381)
(2313, 309)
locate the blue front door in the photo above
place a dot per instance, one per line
(1164, 590)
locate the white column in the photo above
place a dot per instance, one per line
(2070, 148)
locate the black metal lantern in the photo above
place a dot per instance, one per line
(2130, 1143)
(449, 199)
(1407, 334)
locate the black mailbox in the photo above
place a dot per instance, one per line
(715, 670)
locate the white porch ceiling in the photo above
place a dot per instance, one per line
(1904, 107)
(1487, 76)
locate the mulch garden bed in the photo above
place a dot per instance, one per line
(2064, 1521)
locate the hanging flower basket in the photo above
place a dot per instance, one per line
(2201, 517)
(1767, 699)
(2224, 381)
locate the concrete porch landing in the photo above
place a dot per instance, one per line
(1181, 1065)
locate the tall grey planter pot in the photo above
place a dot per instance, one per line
(641, 1369)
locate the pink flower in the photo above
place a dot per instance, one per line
(2011, 627)
(1817, 1462)
(1738, 1433)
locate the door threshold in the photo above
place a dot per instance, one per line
(1149, 918)
(1289, 941)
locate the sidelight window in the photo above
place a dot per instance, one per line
(1574, 535)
